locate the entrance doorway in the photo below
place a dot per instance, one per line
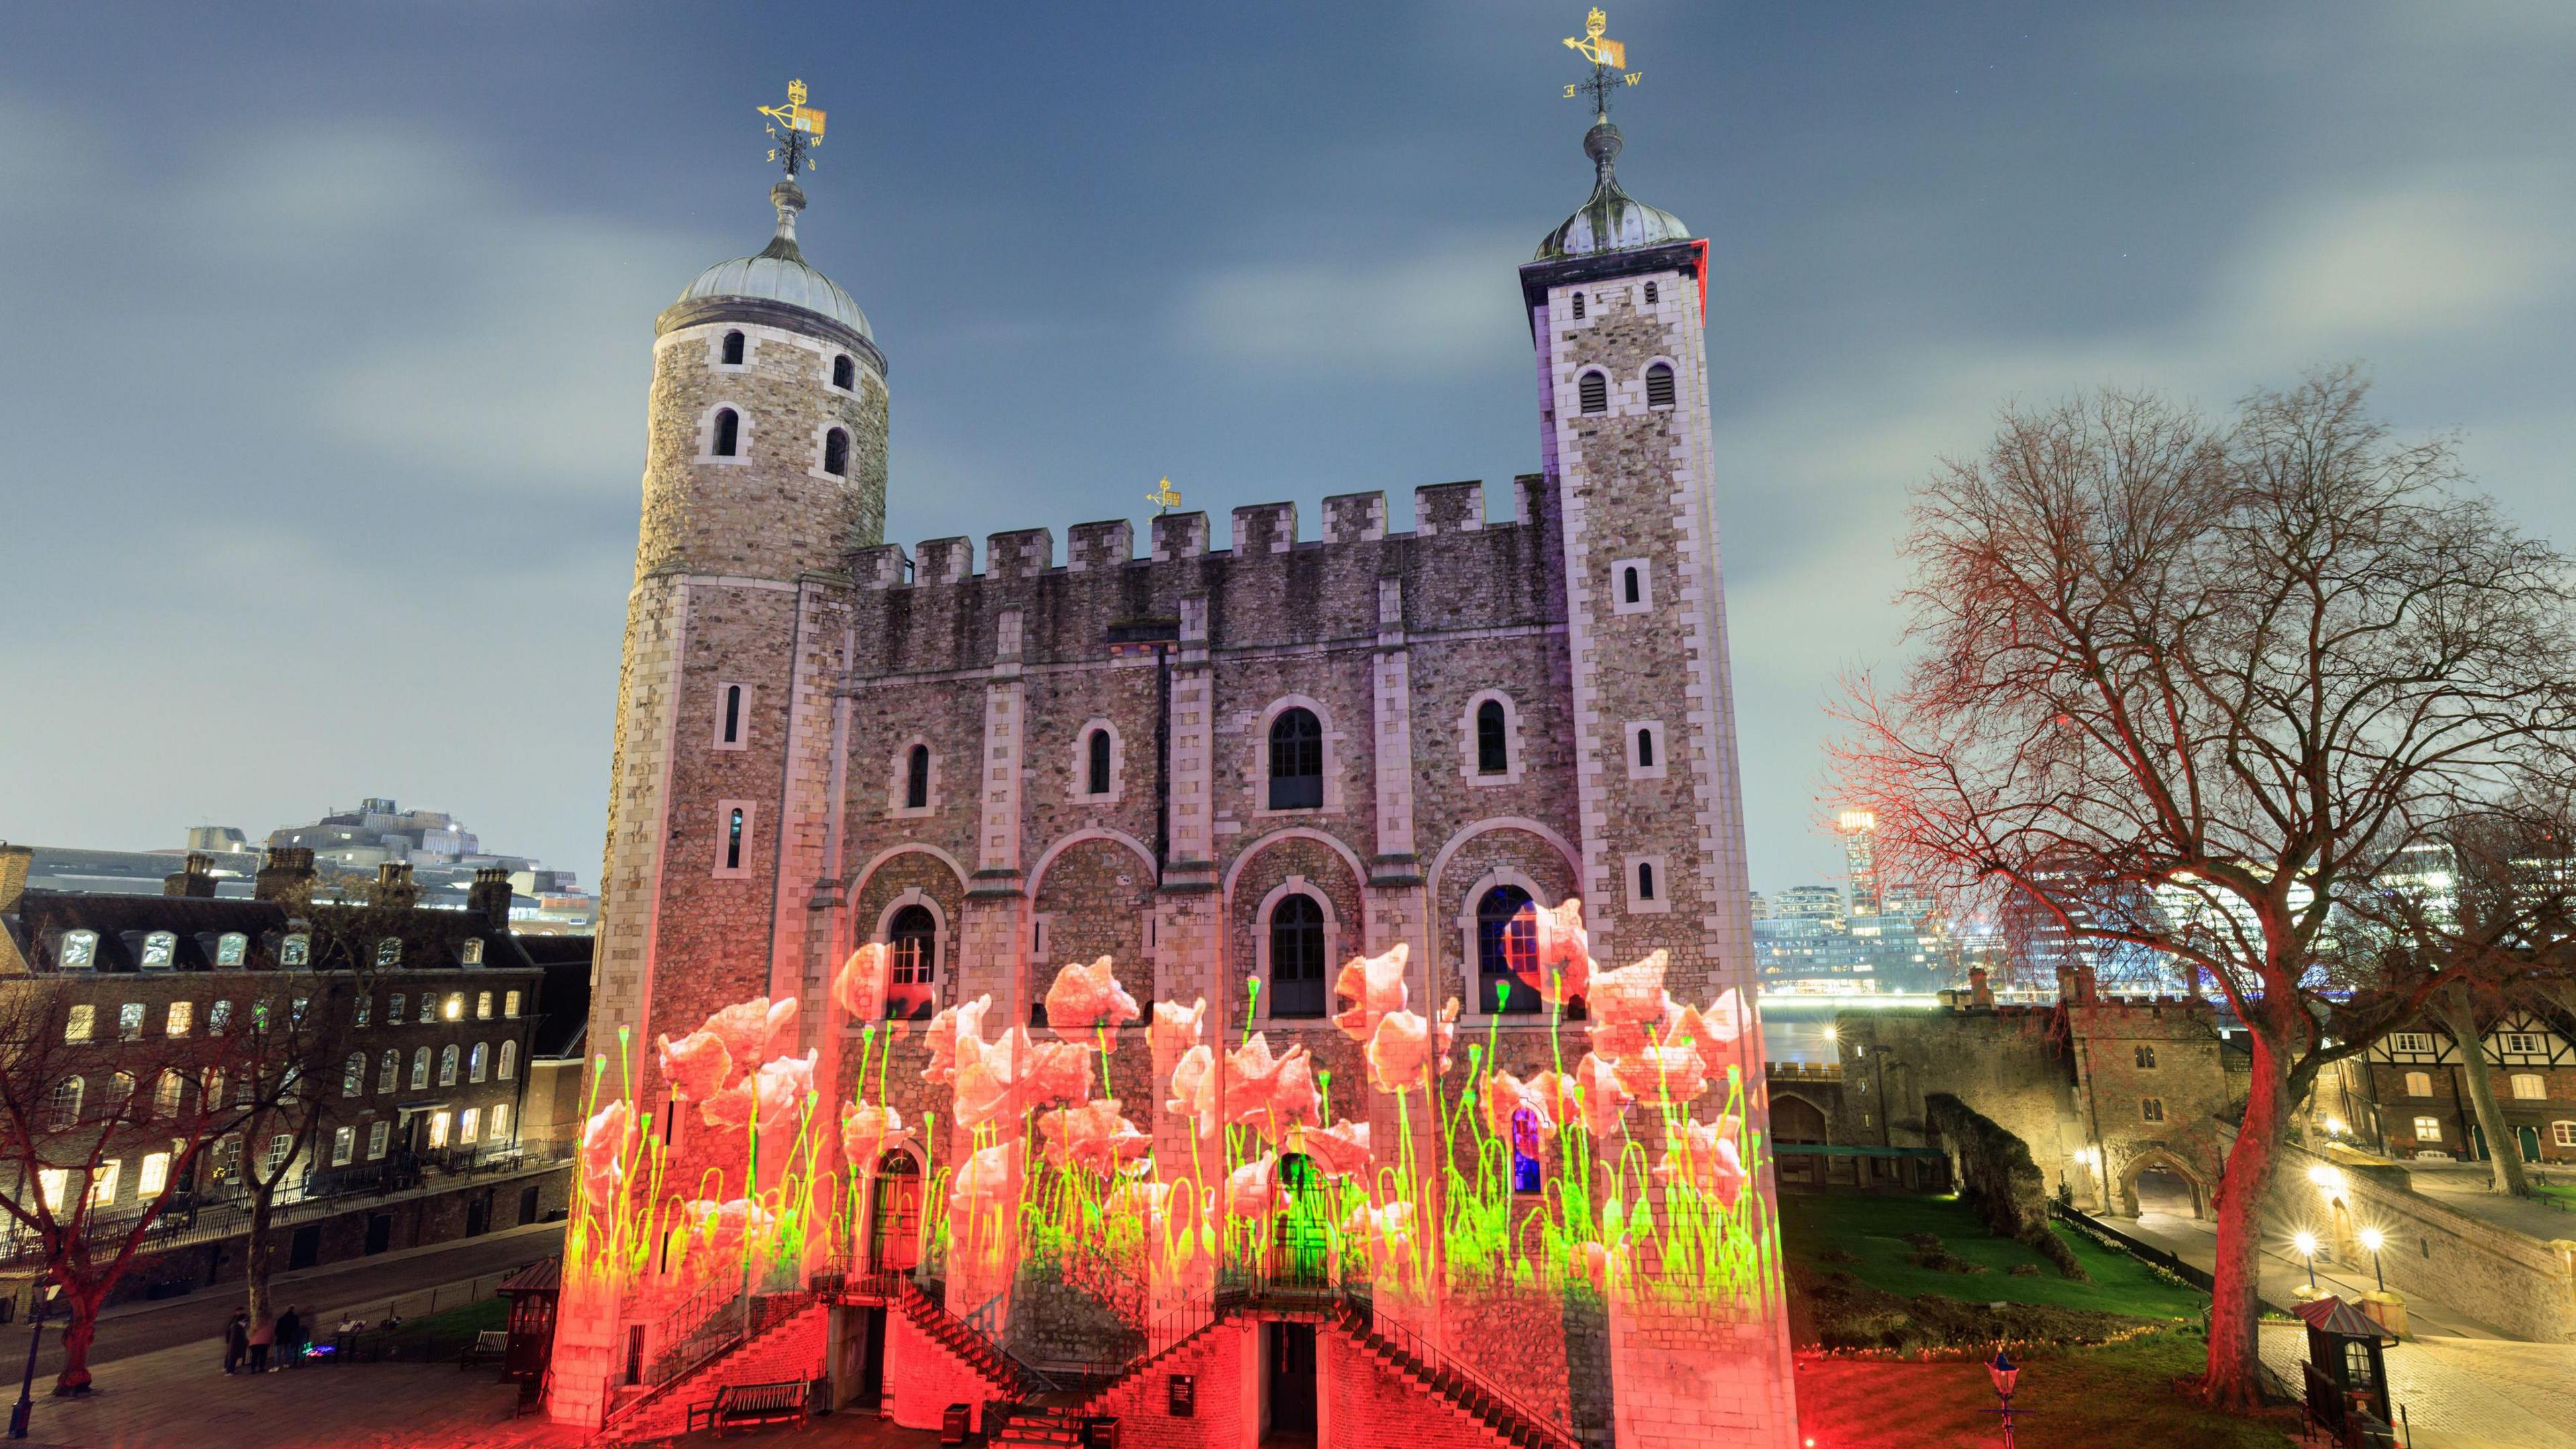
(870, 1390)
(380, 1232)
(2163, 1190)
(2529, 1139)
(1291, 1357)
(1302, 1253)
(894, 1222)
(306, 1248)
(478, 1216)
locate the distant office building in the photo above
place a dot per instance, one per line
(1809, 902)
(1859, 829)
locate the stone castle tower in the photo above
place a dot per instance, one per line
(765, 466)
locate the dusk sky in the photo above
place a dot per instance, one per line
(328, 326)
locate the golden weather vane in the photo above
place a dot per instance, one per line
(1609, 62)
(1165, 496)
(802, 130)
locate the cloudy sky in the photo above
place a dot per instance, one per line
(327, 325)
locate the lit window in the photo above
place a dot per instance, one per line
(154, 1176)
(120, 1091)
(2521, 1042)
(280, 1148)
(1659, 386)
(295, 1011)
(2428, 1129)
(420, 1069)
(2410, 1041)
(2151, 1109)
(836, 453)
(353, 1075)
(844, 372)
(1525, 1147)
(455, 1009)
(388, 1071)
(472, 952)
(231, 948)
(1297, 957)
(227, 1160)
(218, 1018)
(728, 439)
(1493, 744)
(1594, 391)
(437, 1131)
(447, 1065)
(1507, 951)
(510, 1004)
(78, 951)
(1296, 760)
(64, 1106)
(213, 1095)
(2419, 1084)
(160, 951)
(344, 1145)
(733, 347)
(2529, 1087)
(509, 1060)
(81, 1022)
(912, 956)
(53, 1181)
(469, 1124)
(394, 1009)
(378, 1134)
(129, 1021)
(2145, 1057)
(500, 1130)
(483, 1006)
(477, 1061)
(167, 1091)
(2563, 1133)
(102, 1188)
(389, 952)
(295, 950)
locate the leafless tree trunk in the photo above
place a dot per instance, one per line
(2189, 690)
(2459, 1018)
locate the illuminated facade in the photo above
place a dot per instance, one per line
(1158, 979)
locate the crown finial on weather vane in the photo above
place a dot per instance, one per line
(1609, 61)
(797, 128)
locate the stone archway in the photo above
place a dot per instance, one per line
(2161, 1182)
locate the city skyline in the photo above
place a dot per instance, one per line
(426, 467)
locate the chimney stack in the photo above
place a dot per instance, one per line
(14, 863)
(194, 881)
(489, 896)
(394, 885)
(287, 878)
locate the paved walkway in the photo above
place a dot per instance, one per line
(2284, 1274)
(2468, 1188)
(2464, 1393)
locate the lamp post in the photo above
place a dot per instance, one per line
(2306, 1243)
(26, 1405)
(2004, 1372)
(2371, 1238)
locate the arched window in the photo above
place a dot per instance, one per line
(912, 958)
(728, 432)
(733, 714)
(916, 779)
(509, 1061)
(845, 373)
(478, 1064)
(78, 951)
(1645, 880)
(1296, 761)
(169, 1093)
(2144, 1056)
(1525, 1143)
(447, 1065)
(1659, 385)
(120, 1091)
(160, 951)
(1493, 746)
(1632, 585)
(836, 453)
(1645, 748)
(419, 1068)
(1650, 294)
(388, 1072)
(1507, 952)
(1297, 957)
(482, 1006)
(733, 840)
(733, 349)
(1098, 762)
(230, 948)
(1578, 305)
(64, 1107)
(1594, 390)
(353, 1075)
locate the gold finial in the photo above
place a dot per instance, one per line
(1165, 496)
(804, 130)
(1609, 60)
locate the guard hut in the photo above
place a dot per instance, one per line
(2347, 1378)
(532, 1292)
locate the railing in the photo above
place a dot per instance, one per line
(1164, 1334)
(1433, 1366)
(968, 1340)
(2145, 1252)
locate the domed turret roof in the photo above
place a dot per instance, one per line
(779, 273)
(1612, 220)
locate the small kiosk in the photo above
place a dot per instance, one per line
(2347, 1377)
(532, 1292)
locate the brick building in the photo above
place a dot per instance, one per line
(423, 1021)
(2408, 1096)
(1230, 758)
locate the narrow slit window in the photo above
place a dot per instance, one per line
(1631, 587)
(733, 714)
(1578, 306)
(733, 345)
(1594, 391)
(1645, 880)
(1659, 386)
(1651, 295)
(1493, 745)
(1098, 784)
(836, 453)
(733, 840)
(728, 432)
(1645, 749)
(916, 779)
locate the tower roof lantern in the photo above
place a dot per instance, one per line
(778, 273)
(1610, 220)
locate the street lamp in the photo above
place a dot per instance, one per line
(2004, 1372)
(2306, 1243)
(26, 1405)
(2371, 1238)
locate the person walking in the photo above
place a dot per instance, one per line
(263, 1335)
(236, 1340)
(290, 1338)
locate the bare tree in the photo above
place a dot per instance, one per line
(2189, 688)
(78, 1099)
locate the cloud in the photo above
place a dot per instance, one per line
(2440, 255)
(1444, 310)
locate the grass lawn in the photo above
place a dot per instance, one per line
(443, 1333)
(2555, 1193)
(1872, 1229)
(2121, 1394)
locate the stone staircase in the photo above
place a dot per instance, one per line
(1045, 1427)
(1007, 1376)
(786, 1342)
(1488, 1406)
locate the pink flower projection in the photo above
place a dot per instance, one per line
(1092, 1135)
(756, 1030)
(1664, 1073)
(946, 1029)
(867, 1130)
(697, 1065)
(1386, 1229)
(776, 1094)
(1503, 1097)
(989, 1178)
(1194, 1088)
(1084, 997)
(1401, 1052)
(1375, 985)
(860, 988)
(1253, 1190)
(1339, 1150)
(1059, 1072)
(604, 1140)
(1272, 1093)
(1564, 952)
(720, 1228)
(1704, 1156)
(1629, 996)
(1605, 1102)
(1175, 1028)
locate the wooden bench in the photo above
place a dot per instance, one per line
(777, 1403)
(492, 1345)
